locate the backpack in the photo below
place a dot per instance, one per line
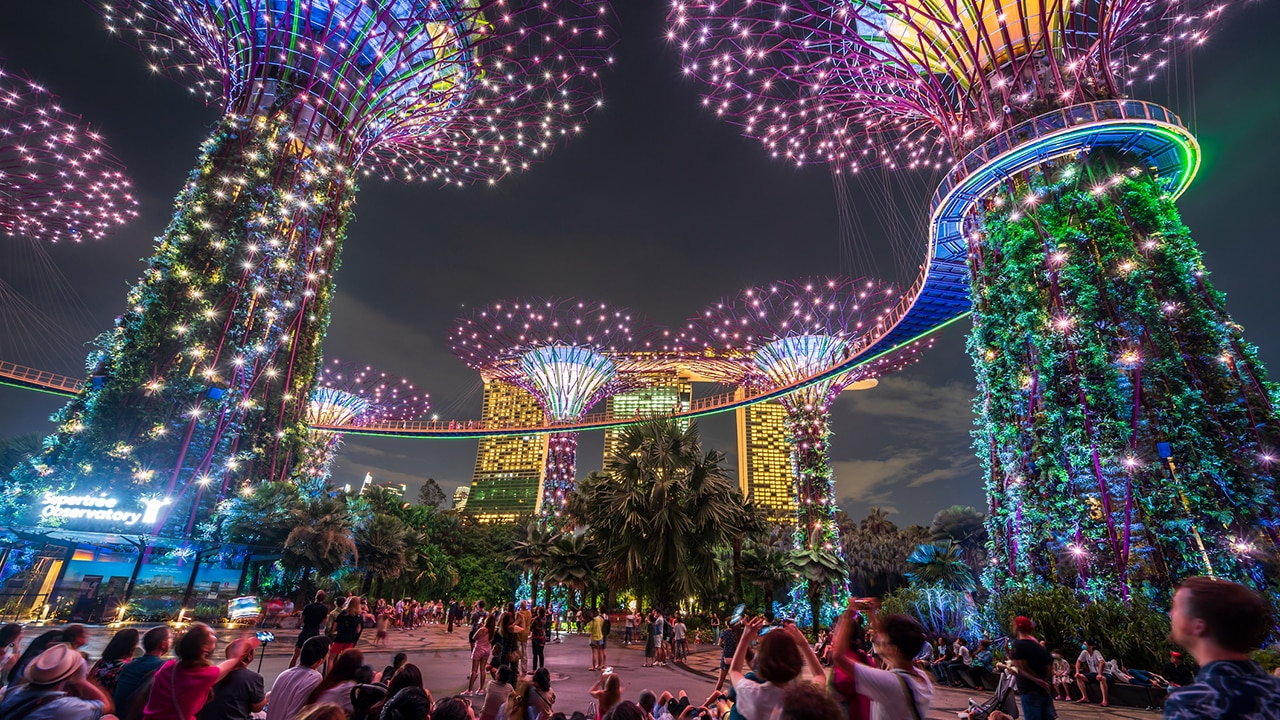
(606, 627)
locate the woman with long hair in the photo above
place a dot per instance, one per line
(538, 639)
(780, 656)
(497, 693)
(347, 627)
(407, 699)
(119, 651)
(539, 698)
(508, 641)
(607, 691)
(335, 687)
(480, 653)
(181, 687)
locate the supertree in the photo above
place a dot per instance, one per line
(562, 353)
(1125, 426)
(347, 394)
(58, 180)
(210, 368)
(792, 331)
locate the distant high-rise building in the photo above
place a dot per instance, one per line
(663, 394)
(507, 482)
(460, 496)
(764, 460)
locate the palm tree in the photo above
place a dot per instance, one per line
(822, 568)
(967, 528)
(940, 565)
(660, 512)
(381, 546)
(572, 562)
(321, 539)
(748, 521)
(531, 552)
(768, 567)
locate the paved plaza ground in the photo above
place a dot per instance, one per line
(444, 659)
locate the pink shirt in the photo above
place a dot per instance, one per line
(178, 693)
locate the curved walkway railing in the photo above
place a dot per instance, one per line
(940, 294)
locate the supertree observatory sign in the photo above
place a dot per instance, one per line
(100, 511)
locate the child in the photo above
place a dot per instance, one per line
(1061, 677)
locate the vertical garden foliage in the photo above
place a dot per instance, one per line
(1097, 337)
(207, 373)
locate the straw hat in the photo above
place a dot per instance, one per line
(54, 665)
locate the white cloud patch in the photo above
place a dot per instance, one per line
(909, 442)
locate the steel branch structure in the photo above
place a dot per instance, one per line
(58, 180)
(797, 330)
(563, 353)
(1125, 424)
(210, 369)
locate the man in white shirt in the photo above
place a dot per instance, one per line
(289, 693)
(958, 670)
(630, 628)
(1091, 658)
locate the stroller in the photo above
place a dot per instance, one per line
(1005, 700)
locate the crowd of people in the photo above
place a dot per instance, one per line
(872, 667)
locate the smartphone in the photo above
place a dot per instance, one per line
(738, 612)
(608, 671)
(266, 637)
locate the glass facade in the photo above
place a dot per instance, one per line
(667, 393)
(507, 481)
(764, 460)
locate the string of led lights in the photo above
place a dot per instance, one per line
(58, 180)
(1059, 220)
(792, 331)
(210, 369)
(560, 352)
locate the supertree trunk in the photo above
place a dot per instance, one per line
(817, 534)
(558, 476)
(203, 384)
(1124, 425)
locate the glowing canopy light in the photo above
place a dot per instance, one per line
(795, 330)
(330, 406)
(567, 378)
(556, 349)
(351, 394)
(450, 91)
(971, 38)
(347, 394)
(791, 359)
(857, 83)
(57, 179)
(559, 351)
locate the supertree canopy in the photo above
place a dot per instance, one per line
(58, 181)
(561, 352)
(793, 331)
(1126, 427)
(210, 369)
(348, 394)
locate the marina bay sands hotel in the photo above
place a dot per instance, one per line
(509, 470)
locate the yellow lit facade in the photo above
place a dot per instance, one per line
(764, 460)
(507, 481)
(662, 394)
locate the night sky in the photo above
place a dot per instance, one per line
(656, 206)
